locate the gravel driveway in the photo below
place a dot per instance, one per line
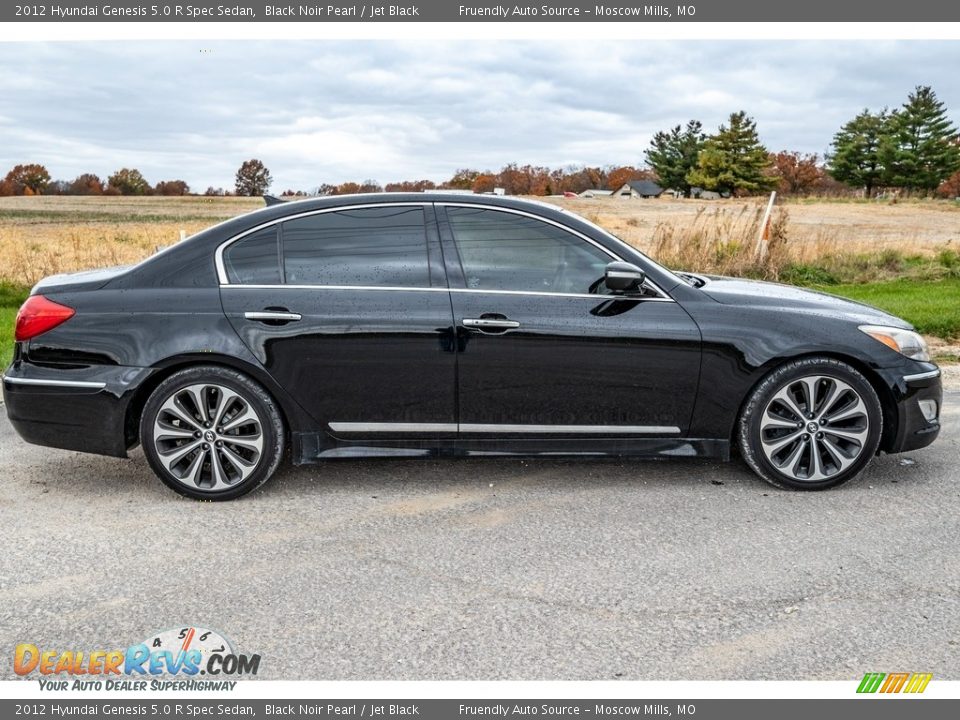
(497, 569)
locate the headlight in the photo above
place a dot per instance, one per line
(905, 342)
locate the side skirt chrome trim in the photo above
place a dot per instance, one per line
(54, 383)
(362, 427)
(480, 428)
(922, 376)
(571, 429)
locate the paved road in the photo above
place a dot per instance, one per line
(497, 569)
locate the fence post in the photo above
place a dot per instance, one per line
(764, 227)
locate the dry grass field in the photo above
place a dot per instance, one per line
(44, 235)
(845, 225)
(40, 236)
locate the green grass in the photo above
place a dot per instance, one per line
(11, 297)
(933, 307)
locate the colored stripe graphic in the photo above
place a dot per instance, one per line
(870, 682)
(918, 682)
(894, 682)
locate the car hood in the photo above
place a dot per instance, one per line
(755, 293)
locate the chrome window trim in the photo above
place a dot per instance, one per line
(929, 375)
(55, 383)
(385, 288)
(566, 228)
(224, 281)
(218, 255)
(488, 428)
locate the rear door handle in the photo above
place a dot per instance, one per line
(273, 316)
(490, 324)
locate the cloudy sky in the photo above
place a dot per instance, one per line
(324, 111)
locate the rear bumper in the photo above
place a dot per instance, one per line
(73, 408)
(914, 392)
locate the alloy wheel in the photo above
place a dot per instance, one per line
(208, 437)
(814, 427)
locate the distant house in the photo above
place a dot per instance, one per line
(640, 189)
(591, 193)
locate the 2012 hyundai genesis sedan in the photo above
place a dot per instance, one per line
(449, 324)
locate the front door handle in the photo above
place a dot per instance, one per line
(273, 316)
(490, 324)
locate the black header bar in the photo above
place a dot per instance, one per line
(617, 11)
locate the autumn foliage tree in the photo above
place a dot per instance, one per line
(29, 179)
(462, 179)
(796, 173)
(950, 188)
(619, 176)
(252, 178)
(484, 183)
(578, 179)
(129, 181)
(171, 187)
(86, 184)
(410, 186)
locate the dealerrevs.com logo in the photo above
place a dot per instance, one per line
(187, 652)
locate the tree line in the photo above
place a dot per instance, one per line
(914, 148)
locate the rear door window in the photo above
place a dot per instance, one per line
(369, 247)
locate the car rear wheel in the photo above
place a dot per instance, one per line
(211, 433)
(811, 424)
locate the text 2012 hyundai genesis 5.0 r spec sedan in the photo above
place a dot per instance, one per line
(449, 324)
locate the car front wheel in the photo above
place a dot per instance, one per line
(211, 433)
(811, 424)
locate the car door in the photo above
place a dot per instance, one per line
(348, 310)
(542, 356)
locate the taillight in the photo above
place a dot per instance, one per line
(38, 314)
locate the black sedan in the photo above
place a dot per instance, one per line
(449, 324)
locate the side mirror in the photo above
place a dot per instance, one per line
(623, 277)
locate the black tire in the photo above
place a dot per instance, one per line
(822, 456)
(196, 457)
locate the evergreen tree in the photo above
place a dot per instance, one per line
(734, 160)
(673, 154)
(856, 159)
(920, 149)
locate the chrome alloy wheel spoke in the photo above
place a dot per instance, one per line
(208, 437)
(814, 427)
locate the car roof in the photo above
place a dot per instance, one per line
(286, 207)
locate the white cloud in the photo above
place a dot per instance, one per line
(333, 111)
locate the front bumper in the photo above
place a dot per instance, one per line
(74, 408)
(913, 430)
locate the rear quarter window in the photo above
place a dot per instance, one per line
(254, 259)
